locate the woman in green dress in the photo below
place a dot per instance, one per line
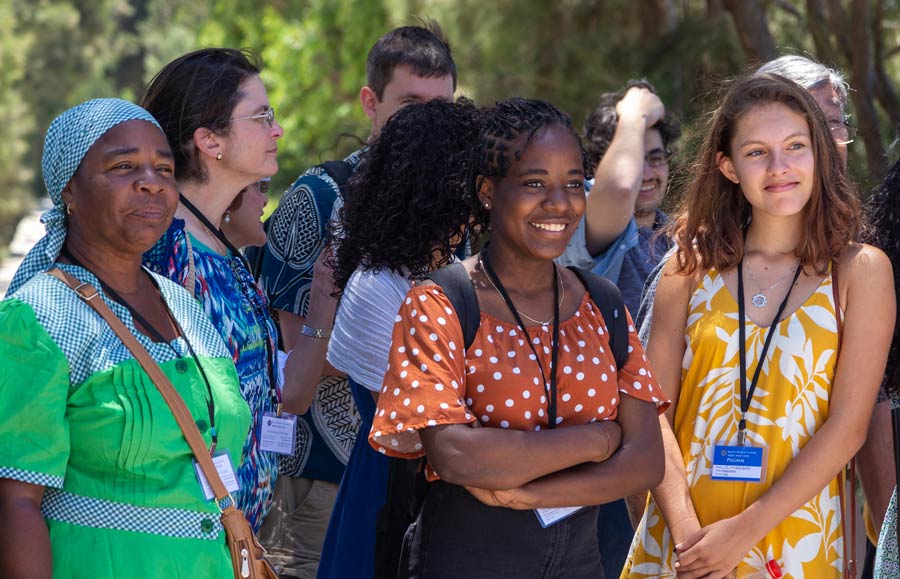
(96, 478)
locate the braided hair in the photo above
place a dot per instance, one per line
(884, 211)
(502, 132)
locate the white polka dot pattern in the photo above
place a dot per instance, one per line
(498, 382)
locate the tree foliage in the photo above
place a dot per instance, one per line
(55, 53)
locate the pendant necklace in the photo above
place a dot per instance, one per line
(562, 297)
(760, 299)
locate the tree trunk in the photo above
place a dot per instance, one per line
(864, 83)
(884, 87)
(658, 17)
(752, 29)
(819, 28)
(129, 71)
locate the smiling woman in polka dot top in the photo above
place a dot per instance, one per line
(501, 424)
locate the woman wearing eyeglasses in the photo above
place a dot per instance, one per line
(216, 115)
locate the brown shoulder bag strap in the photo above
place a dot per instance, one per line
(183, 416)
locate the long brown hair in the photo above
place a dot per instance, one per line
(709, 226)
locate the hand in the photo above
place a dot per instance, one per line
(714, 551)
(609, 440)
(323, 272)
(640, 102)
(322, 303)
(507, 499)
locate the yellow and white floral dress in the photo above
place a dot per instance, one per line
(790, 403)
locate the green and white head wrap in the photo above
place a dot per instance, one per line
(70, 136)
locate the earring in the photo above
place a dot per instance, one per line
(227, 217)
(219, 156)
(487, 206)
(68, 210)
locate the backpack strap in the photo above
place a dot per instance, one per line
(339, 171)
(608, 298)
(458, 288)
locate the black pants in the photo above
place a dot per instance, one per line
(457, 536)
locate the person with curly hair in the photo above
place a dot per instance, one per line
(771, 329)
(410, 64)
(534, 415)
(407, 207)
(885, 221)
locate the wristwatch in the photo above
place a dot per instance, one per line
(315, 332)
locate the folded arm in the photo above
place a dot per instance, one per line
(499, 459)
(637, 465)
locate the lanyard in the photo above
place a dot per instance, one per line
(158, 337)
(260, 318)
(551, 390)
(747, 395)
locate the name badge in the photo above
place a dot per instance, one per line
(223, 465)
(738, 463)
(553, 515)
(279, 433)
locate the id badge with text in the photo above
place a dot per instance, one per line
(225, 468)
(550, 516)
(278, 433)
(739, 463)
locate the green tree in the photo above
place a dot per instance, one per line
(313, 55)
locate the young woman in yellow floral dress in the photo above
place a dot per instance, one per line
(764, 416)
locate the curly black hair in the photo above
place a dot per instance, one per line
(600, 126)
(411, 199)
(884, 214)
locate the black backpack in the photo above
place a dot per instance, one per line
(407, 486)
(455, 282)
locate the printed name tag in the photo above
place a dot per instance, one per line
(278, 433)
(223, 465)
(551, 516)
(738, 463)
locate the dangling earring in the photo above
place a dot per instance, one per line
(219, 156)
(227, 217)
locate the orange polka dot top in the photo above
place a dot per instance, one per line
(431, 381)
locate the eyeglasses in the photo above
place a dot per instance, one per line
(657, 157)
(268, 117)
(842, 132)
(264, 185)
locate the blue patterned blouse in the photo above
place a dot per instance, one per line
(238, 310)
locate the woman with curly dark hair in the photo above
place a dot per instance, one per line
(519, 416)
(885, 216)
(406, 209)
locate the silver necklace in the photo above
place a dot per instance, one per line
(760, 299)
(562, 296)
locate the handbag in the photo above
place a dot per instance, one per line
(849, 472)
(247, 555)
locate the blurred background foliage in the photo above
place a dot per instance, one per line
(56, 53)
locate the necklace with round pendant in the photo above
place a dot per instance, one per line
(759, 299)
